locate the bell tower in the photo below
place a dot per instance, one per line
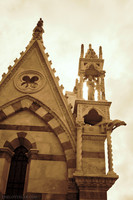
(94, 127)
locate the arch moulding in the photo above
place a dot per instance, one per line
(47, 115)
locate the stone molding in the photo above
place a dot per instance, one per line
(25, 127)
(56, 125)
(22, 139)
(82, 107)
(97, 137)
(30, 88)
(95, 182)
(6, 153)
(46, 196)
(32, 154)
(86, 154)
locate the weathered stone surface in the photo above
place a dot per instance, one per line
(65, 146)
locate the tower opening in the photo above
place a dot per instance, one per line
(92, 117)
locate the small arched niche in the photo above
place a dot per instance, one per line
(92, 118)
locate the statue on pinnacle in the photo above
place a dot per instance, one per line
(38, 30)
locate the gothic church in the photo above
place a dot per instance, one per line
(49, 150)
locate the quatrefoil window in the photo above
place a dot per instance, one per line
(92, 117)
(30, 82)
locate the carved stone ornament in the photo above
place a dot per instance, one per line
(90, 182)
(29, 81)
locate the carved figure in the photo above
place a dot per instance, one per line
(38, 30)
(90, 85)
(112, 124)
(75, 89)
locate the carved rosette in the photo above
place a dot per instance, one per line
(29, 81)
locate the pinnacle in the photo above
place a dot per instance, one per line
(91, 53)
(38, 30)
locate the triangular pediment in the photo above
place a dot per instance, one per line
(32, 75)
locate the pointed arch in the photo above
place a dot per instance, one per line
(92, 117)
(17, 173)
(100, 112)
(53, 121)
(22, 139)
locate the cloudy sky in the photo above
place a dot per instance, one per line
(68, 24)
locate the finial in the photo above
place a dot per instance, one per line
(50, 62)
(3, 75)
(89, 46)
(54, 70)
(21, 53)
(15, 60)
(66, 95)
(82, 51)
(100, 52)
(9, 68)
(38, 30)
(62, 87)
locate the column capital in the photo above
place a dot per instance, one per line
(79, 122)
(32, 154)
(6, 153)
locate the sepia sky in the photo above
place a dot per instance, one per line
(67, 25)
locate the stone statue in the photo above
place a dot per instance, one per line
(90, 85)
(38, 30)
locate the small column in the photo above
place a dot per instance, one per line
(80, 95)
(100, 52)
(32, 156)
(98, 89)
(5, 161)
(82, 51)
(79, 148)
(90, 85)
(110, 155)
(102, 87)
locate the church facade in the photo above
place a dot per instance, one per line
(49, 150)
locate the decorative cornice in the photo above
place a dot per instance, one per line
(96, 137)
(95, 182)
(33, 154)
(92, 102)
(92, 60)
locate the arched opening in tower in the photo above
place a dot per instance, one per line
(92, 118)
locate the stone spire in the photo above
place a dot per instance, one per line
(82, 51)
(38, 30)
